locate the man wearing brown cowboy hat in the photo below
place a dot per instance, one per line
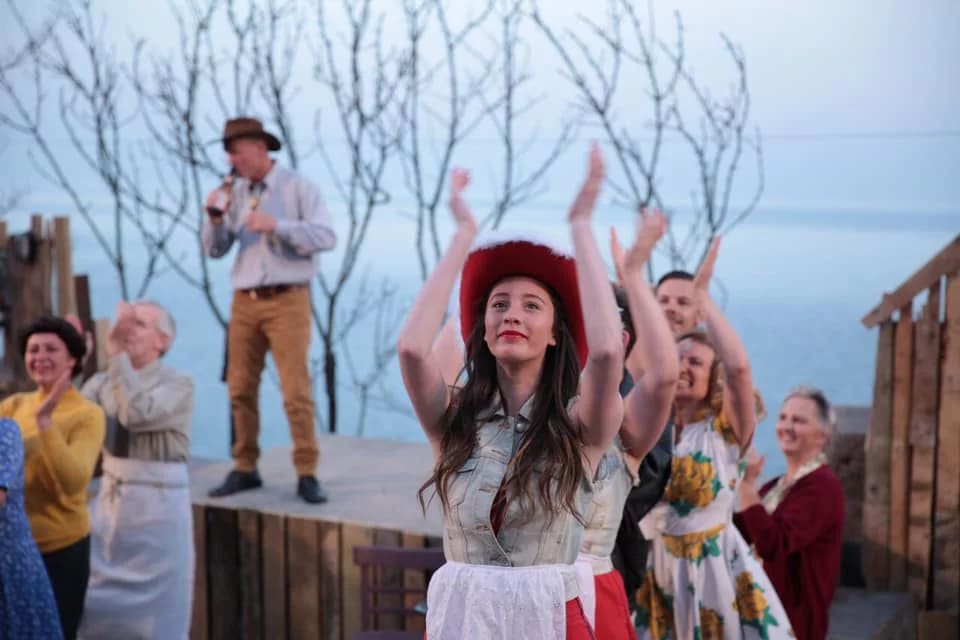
(278, 221)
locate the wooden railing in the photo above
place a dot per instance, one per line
(911, 512)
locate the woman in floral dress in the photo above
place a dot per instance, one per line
(27, 607)
(702, 581)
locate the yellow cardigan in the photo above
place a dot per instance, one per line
(58, 464)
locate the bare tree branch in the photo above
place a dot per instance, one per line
(460, 110)
(363, 106)
(517, 187)
(716, 137)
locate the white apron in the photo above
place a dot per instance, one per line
(587, 567)
(141, 553)
(484, 602)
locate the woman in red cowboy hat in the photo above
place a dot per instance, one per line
(515, 446)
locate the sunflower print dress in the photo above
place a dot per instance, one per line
(702, 581)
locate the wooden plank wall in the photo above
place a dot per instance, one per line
(876, 495)
(271, 576)
(946, 547)
(923, 432)
(913, 457)
(899, 448)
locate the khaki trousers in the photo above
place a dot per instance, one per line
(282, 324)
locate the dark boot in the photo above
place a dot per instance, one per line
(237, 481)
(308, 488)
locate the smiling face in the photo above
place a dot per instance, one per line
(800, 433)
(519, 320)
(677, 298)
(696, 360)
(46, 359)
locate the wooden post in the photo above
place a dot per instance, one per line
(43, 269)
(331, 601)
(938, 625)
(923, 431)
(946, 537)
(223, 573)
(274, 536)
(899, 448)
(81, 287)
(876, 500)
(303, 571)
(351, 595)
(66, 301)
(391, 578)
(413, 580)
(200, 622)
(251, 591)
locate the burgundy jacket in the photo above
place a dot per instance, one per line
(800, 545)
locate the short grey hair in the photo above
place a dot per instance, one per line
(826, 416)
(165, 323)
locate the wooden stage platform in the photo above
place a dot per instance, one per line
(270, 565)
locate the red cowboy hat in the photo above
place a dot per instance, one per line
(497, 257)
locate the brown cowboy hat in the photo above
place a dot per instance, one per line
(248, 128)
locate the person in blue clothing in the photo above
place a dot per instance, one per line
(27, 607)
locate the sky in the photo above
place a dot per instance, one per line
(858, 103)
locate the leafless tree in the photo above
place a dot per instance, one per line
(11, 196)
(367, 383)
(602, 57)
(364, 79)
(175, 91)
(414, 102)
(67, 52)
(521, 178)
(443, 103)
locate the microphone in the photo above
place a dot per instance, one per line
(222, 202)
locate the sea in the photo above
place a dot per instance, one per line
(795, 285)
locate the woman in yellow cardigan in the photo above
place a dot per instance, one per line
(62, 436)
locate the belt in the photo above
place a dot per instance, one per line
(270, 290)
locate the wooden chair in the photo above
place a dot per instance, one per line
(374, 562)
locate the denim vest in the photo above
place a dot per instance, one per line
(605, 509)
(468, 536)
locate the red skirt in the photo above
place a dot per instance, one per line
(577, 627)
(613, 613)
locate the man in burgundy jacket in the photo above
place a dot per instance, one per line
(795, 521)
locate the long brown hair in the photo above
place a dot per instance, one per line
(551, 445)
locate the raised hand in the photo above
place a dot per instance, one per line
(45, 410)
(459, 179)
(616, 252)
(701, 281)
(650, 229)
(125, 322)
(754, 466)
(582, 209)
